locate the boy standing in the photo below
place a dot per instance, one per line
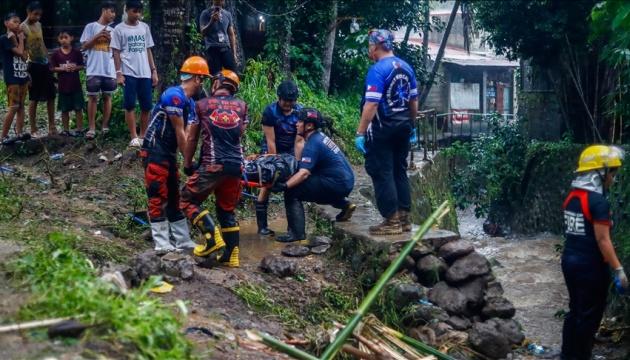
(100, 71)
(42, 86)
(135, 68)
(67, 62)
(15, 76)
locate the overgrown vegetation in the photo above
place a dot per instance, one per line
(64, 283)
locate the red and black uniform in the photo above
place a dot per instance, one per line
(222, 121)
(586, 274)
(159, 153)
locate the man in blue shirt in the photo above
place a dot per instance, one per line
(324, 177)
(279, 122)
(389, 108)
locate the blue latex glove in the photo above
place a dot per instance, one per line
(620, 280)
(359, 143)
(413, 139)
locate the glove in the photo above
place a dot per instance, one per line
(279, 187)
(413, 139)
(189, 170)
(620, 280)
(359, 143)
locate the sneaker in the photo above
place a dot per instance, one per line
(105, 131)
(90, 135)
(9, 140)
(346, 213)
(389, 226)
(135, 143)
(405, 220)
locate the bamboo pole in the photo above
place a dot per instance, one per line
(32, 325)
(281, 346)
(336, 345)
(415, 343)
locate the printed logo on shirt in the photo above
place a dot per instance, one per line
(371, 88)
(102, 44)
(398, 92)
(20, 68)
(176, 100)
(225, 119)
(136, 43)
(574, 223)
(330, 144)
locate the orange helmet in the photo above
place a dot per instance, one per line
(195, 65)
(231, 77)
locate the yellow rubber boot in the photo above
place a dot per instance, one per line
(212, 239)
(230, 256)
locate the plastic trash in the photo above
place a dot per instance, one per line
(57, 156)
(162, 288)
(425, 302)
(6, 169)
(536, 349)
(138, 219)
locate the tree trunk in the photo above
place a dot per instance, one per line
(285, 49)
(426, 27)
(168, 28)
(230, 5)
(440, 55)
(329, 47)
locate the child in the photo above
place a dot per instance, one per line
(135, 68)
(42, 87)
(67, 62)
(15, 77)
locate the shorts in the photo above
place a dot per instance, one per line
(96, 85)
(16, 95)
(137, 88)
(71, 101)
(42, 82)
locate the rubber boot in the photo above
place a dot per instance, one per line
(212, 239)
(346, 212)
(230, 256)
(159, 232)
(295, 221)
(405, 220)
(181, 234)
(261, 218)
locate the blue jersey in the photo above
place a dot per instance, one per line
(284, 127)
(391, 83)
(160, 138)
(322, 157)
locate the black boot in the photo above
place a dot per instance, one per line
(212, 240)
(261, 218)
(295, 219)
(230, 256)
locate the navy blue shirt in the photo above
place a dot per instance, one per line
(15, 69)
(583, 209)
(284, 127)
(391, 83)
(322, 157)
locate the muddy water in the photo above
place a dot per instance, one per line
(254, 247)
(529, 270)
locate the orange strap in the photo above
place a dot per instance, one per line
(583, 196)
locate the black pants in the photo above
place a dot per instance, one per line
(588, 283)
(220, 58)
(386, 163)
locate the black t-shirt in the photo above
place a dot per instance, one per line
(582, 209)
(14, 68)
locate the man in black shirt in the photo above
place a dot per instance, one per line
(217, 27)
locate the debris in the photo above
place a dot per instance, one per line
(68, 328)
(138, 220)
(103, 158)
(162, 288)
(117, 157)
(117, 279)
(32, 325)
(6, 169)
(98, 232)
(57, 156)
(295, 251)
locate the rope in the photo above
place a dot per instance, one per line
(297, 8)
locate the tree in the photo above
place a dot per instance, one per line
(330, 46)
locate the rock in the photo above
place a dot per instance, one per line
(511, 329)
(146, 264)
(440, 328)
(403, 294)
(498, 307)
(178, 265)
(448, 298)
(493, 229)
(455, 249)
(421, 249)
(295, 251)
(494, 289)
(279, 266)
(489, 340)
(321, 249)
(424, 334)
(474, 292)
(438, 238)
(422, 314)
(430, 270)
(473, 264)
(459, 323)
(319, 241)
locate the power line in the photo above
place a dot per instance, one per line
(297, 8)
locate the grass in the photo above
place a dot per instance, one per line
(257, 298)
(64, 283)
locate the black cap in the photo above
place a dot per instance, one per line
(310, 115)
(288, 90)
(10, 16)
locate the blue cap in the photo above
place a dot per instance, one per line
(383, 37)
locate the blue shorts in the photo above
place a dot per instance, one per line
(140, 88)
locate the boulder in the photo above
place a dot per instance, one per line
(459, 323)
(178, 265)
(498, 307)
(295, 250)
(511, 329)
(455, 249)
(449, 298)
(146, 264)
(474, 292)
(471, 265)
(319, 241)
(421, 249)
(430, 270)
(321, 249)
(494, 289)
(403, 294)
(439, 237)
(488, 339)
(422, 314)
(279, 266)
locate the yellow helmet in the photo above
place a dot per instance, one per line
(597, 157)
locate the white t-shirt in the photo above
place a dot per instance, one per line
(100, 61)
(133, 42)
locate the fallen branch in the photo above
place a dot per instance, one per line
(32, 325)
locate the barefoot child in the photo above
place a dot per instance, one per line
(67, 62)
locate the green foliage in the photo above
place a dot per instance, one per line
(257, 298)
(10, 200)
(64, 283)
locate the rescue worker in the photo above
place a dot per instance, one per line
(324, 177)
(165, 135)
(279, 121)
(389, 108)
(589, 255)
(222, 121)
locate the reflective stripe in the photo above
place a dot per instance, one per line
(413, 92)
(198, 217)
(373, 95)
(174, 110)
(230, 229)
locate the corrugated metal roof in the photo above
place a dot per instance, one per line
(490, 62)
